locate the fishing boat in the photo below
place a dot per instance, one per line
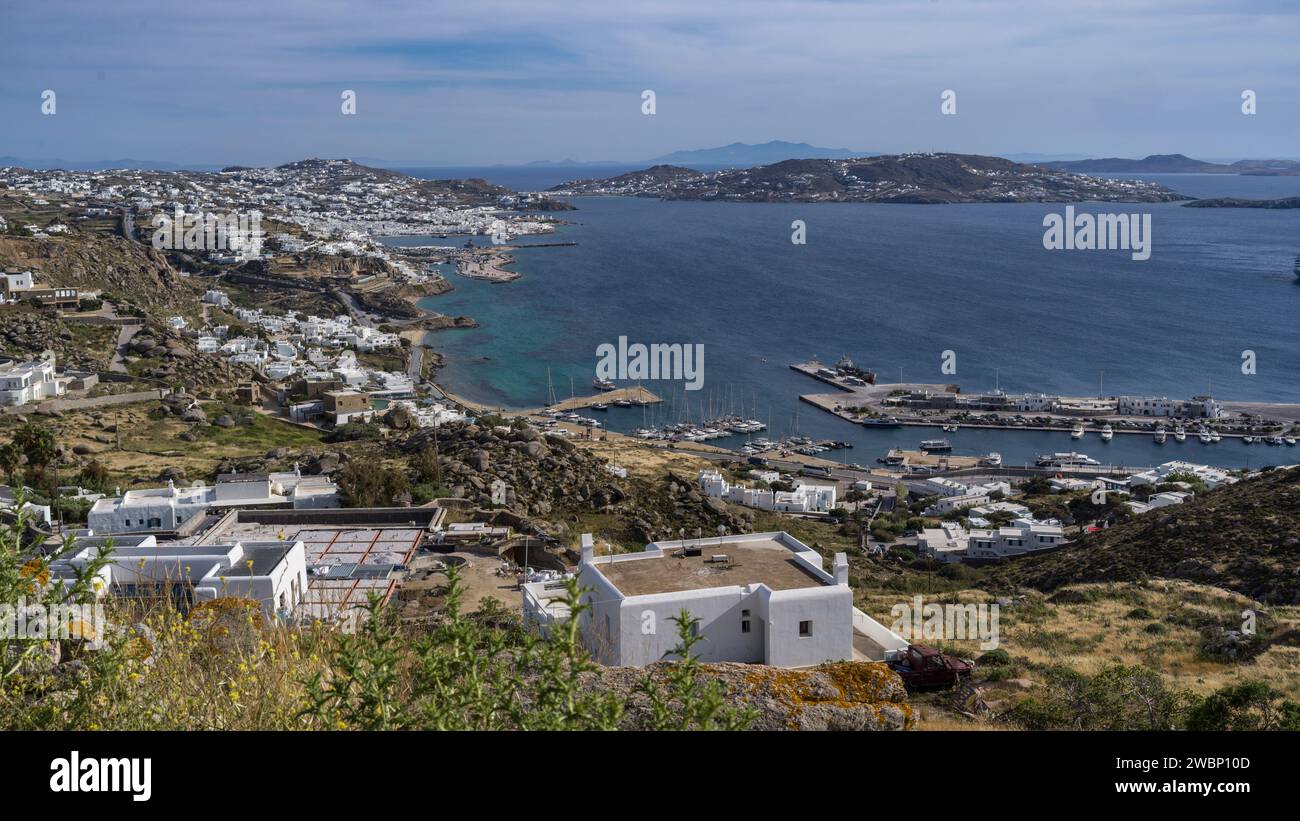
(1108, 433)
(1160, 436)
(1077, 433)
(935, 445)
(1180, 435)
(1066, 460)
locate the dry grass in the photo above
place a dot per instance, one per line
(1106, 627)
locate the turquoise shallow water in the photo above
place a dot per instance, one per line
(893, 286)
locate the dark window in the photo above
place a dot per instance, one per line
(805, 628)
(744, 626)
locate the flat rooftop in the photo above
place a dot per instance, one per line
(755, 561)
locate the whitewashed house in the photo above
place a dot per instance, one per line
(760, 598)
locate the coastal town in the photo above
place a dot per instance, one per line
(228, 391)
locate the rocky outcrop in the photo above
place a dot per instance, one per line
(843, 695)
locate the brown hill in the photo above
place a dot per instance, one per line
(1243, 537)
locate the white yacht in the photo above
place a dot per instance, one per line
(1160, 436)
(993, 460)
(1215, 436)
(1180, 435)
(1107, 433)
(1066, 460)
(1290, 440)
(1204, 436)
(1077, 433)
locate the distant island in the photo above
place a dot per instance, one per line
(901, 178)
(1178, 164)
(1238, 202)
(748, 155)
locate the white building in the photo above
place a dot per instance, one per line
(1197, 407)
(805, 498)
(1159, 500)
(953, 543)
(760, 598)
(271, 573)
(1211, 476)
(168, 508)
(15, 282)
(22, 383)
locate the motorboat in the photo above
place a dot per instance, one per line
(1108, 433)
(1180, 435)
(1160, 436)
(1077, 433)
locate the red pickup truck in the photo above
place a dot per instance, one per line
(922, 666)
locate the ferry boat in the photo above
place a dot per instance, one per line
(1066, 460)
(935, 445)
(1077, 433)
(603, 384)
(1160, 435)
(1180, 435)
(882, 422)
(1108, 433)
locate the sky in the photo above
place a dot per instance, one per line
(506, 81)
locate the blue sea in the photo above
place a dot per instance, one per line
(893, 286)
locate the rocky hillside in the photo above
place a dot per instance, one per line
(133, 274)
(902, 178)
(1243, 537)
(554, 481)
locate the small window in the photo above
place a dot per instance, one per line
(805, 628)
(744, 614)
(744, 626)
